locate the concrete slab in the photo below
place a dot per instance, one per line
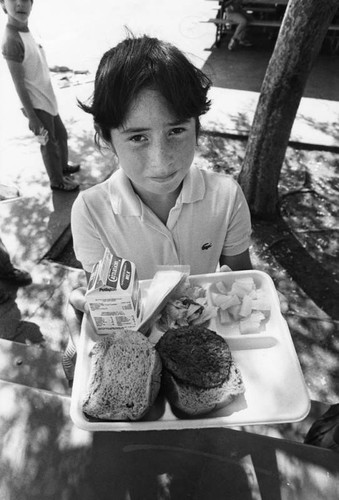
(232, 112)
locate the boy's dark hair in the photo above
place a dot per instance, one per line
(145, 62)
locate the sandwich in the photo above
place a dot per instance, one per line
(199, 373)
(125, 377)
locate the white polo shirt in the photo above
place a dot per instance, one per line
(210, 218)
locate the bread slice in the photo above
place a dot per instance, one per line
(199, 372)
(125, 377)
(194, 400)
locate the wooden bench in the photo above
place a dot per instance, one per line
(254, 22)
(222, 26)
(264, 22)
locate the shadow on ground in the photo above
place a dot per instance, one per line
(244, 68)
(33, 224)
(300, 252)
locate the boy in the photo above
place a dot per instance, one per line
(157, 208)
(29, 70)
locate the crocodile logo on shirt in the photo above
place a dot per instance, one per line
(206, 246)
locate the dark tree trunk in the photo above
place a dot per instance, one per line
(300, 39)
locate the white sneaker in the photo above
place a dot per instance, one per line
(8, 192)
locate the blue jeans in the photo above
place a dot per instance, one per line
(55, 152)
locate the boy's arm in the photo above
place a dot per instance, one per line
(240, 262)
(17, 74)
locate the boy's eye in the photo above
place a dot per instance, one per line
(177, 130)
(137, 138)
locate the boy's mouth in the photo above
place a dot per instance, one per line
(164, 178)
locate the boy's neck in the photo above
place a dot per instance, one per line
(16, 23)
(160, 205)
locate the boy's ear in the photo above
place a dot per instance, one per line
(100, 138)
(98, 132)
(96, 127)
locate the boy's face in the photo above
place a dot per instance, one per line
(18, 11)
(155, 150)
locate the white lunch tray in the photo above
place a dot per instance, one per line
(275, 390)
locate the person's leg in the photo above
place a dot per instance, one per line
(10, 273)
(239, 36)
(52, 153)
(62, 138)
(241, 28)
(324, 432)
(4, 296)
(6, 265)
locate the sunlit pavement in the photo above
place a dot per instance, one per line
(32, 224)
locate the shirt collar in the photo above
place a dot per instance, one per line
(25, 29)
(124, 201)
(193, 188)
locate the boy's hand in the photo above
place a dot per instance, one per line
(35, 125)
(284, 306)
(225, 269)
(78, 301)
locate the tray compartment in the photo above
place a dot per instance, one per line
(264, 285)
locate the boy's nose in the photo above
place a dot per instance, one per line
(161, 156)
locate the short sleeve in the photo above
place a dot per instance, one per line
(13, 47)
(239, 230)
(88, 247)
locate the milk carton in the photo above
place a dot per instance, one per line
(113, 294)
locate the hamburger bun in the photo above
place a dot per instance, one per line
(125, 377)
(199, 373)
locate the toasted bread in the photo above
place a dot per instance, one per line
(125, 377)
